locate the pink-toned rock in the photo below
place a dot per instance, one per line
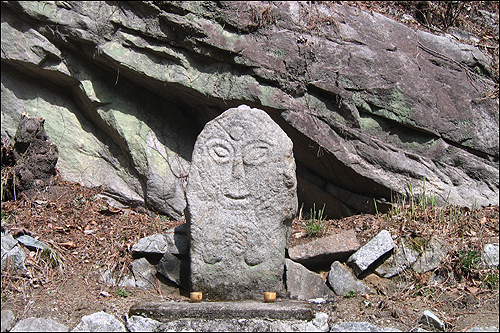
(324, 251)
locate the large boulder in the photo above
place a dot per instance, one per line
(372, 106)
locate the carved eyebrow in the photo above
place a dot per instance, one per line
(254, 141)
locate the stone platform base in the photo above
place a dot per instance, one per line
(242, 316)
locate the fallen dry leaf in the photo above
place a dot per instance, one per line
(68, 245)
(473, 291)
(60, 229)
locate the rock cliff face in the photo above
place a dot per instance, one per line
(373, 108)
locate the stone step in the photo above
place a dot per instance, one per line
(279, 310)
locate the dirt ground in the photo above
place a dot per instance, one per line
(85, 235)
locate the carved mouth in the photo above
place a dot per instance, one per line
(236, 191)
(236, 199)
(240, 203)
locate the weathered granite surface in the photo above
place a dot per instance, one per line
(325, 250)
(33, 324)
(431, 257)
(242, 196)
(372, 251)
(342, 280)
(302, 284)
(398, 262)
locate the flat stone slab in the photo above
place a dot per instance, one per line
(325, 250)
(279, 310)
(372, 251)
(31, 243)
(361, 326)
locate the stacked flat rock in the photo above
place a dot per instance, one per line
(242, 196)
(372, 251)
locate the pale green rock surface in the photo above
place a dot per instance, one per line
(126, 87)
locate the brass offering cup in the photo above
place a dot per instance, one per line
(196, 297)
(269, 297)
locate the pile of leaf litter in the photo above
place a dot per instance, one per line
(81, 229)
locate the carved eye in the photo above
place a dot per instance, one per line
(256, 153)
(219, 150)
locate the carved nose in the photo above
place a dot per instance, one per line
(238, 171)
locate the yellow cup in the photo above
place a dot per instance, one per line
(196, 297)
(269, 297)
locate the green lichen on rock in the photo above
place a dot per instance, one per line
(399, 106)
(391, 105)
(360, 102)
(347, 83)
(369, 124)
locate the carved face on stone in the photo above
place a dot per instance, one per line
(241, 197)
(246, 162)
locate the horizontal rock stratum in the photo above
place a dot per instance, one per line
(374, 108)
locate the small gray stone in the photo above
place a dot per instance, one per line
(125, 280)
(398, 262)
(141, 324)
(175, 269)
(33, 324)
(237, 325)
(31, 243)
(99, 322)
(321, 321)
(360, 327)
(8, 243)
(107, 277)
(7, 321)
(439, 277)
(160, 243)
(343, 281)
(303, 284)
(490, 254)
(170, 267)
(16, 257)
(431, 320)
(432, 255)
(371, 251)
(144, 273)
(318, 300)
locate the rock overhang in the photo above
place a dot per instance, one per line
(358, 136)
